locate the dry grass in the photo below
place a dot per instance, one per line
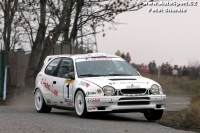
(192, 117)
(177, 85)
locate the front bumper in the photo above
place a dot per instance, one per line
(125, 103)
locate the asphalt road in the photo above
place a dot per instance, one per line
(22, 118)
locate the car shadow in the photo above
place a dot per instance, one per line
(128, 117)
(105, 116)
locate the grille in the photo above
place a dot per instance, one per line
(134, 98)
(133, 91)
(133, 103)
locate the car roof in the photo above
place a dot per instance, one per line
(91, 55)
(49, 57)
(79, 56)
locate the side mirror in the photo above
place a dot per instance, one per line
(72, 75)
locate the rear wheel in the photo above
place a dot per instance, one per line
(40, 104)
(152, 115)
(80, 104)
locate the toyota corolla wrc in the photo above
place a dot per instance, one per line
(96, 82)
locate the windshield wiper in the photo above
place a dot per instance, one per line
(120, 75)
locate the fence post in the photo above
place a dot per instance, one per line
(53, 49)
(61, 47)
(5, 84)
(2, 72)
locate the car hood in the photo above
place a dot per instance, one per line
(119, 82)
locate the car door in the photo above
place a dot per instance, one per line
(63, 84)
(48, 79)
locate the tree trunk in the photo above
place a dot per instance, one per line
(8, 8)
(49, 43)
(48, 46)
(36, 52)
(34, 59)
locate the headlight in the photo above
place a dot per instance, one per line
(154, 89)
(108, 90)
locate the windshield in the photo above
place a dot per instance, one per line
(94, 67)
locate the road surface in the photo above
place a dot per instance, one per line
(22, 118)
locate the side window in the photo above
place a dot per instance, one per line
(50, 69)
(66, 66)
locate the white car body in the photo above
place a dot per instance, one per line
(131, 93)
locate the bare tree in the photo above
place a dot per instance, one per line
(43, 23)
(9, 8)
(63, 18)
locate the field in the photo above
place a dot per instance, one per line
(173, 85)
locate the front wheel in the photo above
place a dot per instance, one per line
(80, 104)
(152, 115)
(40, 104)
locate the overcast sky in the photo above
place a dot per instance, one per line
(163, 37)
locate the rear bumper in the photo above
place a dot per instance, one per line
(123, 103)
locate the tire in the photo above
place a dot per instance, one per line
(40, 104)
(80, 104)
(153, 115)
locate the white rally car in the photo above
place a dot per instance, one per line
(96, 82)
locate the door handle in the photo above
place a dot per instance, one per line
(54, 82)
(67, 90)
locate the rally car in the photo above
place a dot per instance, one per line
(96, 82)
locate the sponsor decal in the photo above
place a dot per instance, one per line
(47, 86)
(55, 92)
(99, 91)
(90, 93)
(55, 102)
(48, 101)
(131, 82)
(92, 108)
(84, 84)
(68, 100)
(61, 101)
(95, 100)
(133, 86)
(69, 104)
(69, 81)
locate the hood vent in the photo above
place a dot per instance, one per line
(121, 79)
